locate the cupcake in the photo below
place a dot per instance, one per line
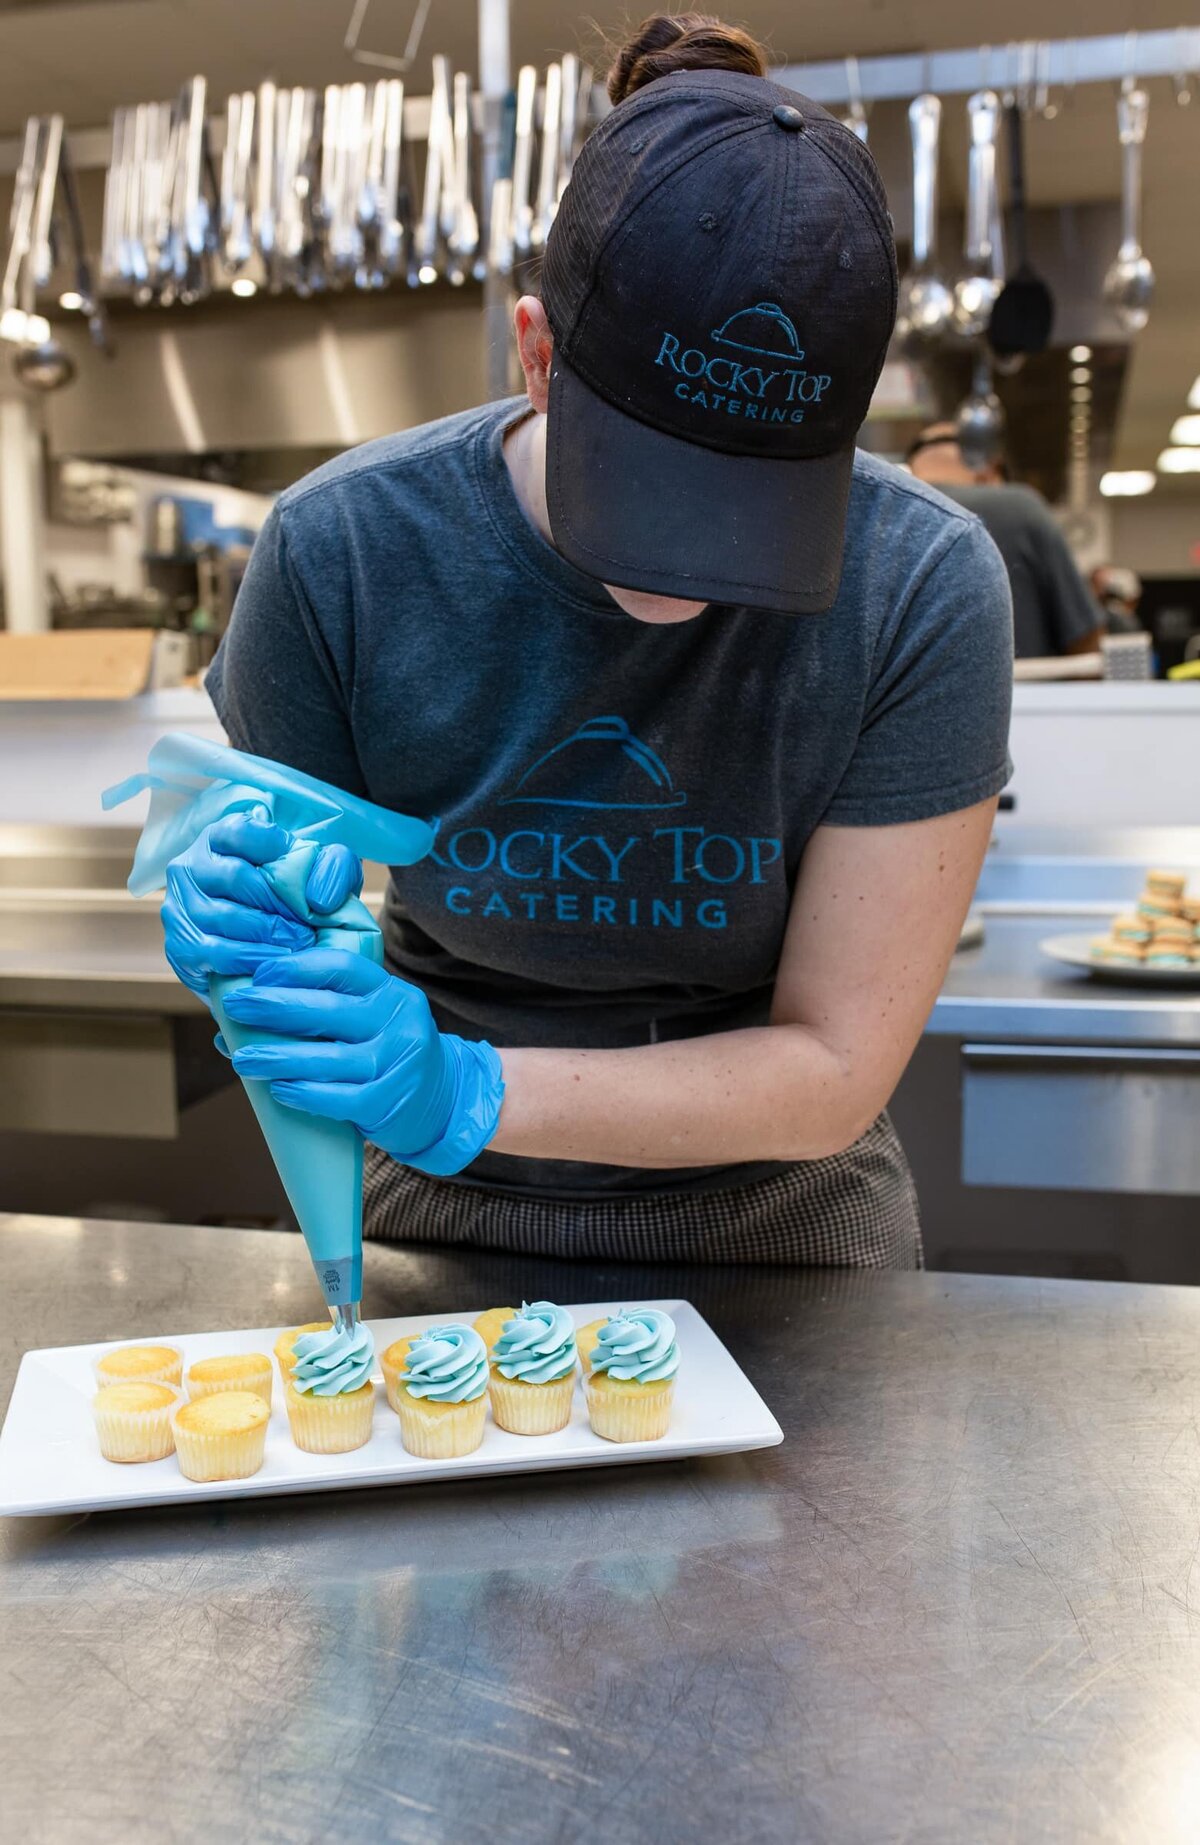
(632, 1381)
(329, 1395)
(1118, 948)
(222, 1437)
(1170, 884)
(587, 1339)
(1132, 929)
(441, 1398)
(392, 1362)
(141, 1364)
(241, 1371)
(491, 1324)
(1151, 904)
(1168, 955)
(133, 1421)
(532, 1381)
(284, 1355)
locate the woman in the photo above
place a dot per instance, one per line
(709, 711)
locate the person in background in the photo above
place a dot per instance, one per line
(1053, 613)
(1118, 590)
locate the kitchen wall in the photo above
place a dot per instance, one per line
(1158, 536)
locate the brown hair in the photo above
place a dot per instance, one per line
(669, 42)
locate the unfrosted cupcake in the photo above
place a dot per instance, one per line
(329, 1395)
(632, 1382)
(285, 1357)
(587, 1339)
(442, 1394)
(491, 1324)
(141, 1364)
(133, 1421)
(222, 1437)
(532, 1379)
(392, 1362)
(237, 1371)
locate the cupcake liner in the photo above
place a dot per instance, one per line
(170, 1372)
(440, 1431)
(531, 1409)
(207, 1455)
(330, 1425)
(641, 1412)
(133, 1436)
(257, 1378)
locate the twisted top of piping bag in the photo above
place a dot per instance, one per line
(193, 782)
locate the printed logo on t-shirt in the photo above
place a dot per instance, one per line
(758, 372)
(659, 877)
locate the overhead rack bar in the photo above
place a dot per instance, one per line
(1058, 63)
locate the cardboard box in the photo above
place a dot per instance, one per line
(91, 663)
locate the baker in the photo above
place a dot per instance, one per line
(709, 713)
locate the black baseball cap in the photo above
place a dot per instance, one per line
(720, 281)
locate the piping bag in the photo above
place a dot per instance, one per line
(192, 783)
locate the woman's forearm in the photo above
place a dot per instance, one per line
(772, 1093)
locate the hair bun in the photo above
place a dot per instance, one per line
(669, 42)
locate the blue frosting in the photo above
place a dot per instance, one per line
(448, 1364)
(638, 1346)
(330, 1363)
(537, 1345)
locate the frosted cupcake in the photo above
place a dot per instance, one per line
(532, 1380)
(222, 1437)
(238, 1371)
(285, 1356)
(133, 1421)
(141, 1364)
(491, 1324)
(329, 1395)
(631, 1384)
(442, 1394)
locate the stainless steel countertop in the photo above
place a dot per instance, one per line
(955, 1605)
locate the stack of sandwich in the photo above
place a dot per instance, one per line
(1163, 932)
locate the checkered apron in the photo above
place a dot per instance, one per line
(857, 1209)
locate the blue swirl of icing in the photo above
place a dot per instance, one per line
(537, 1346)
(448, 1364)
(330, 1363)
(638, 1346)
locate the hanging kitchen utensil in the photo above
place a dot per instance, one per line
(464, 237)
(1023, 317)
(20, 233)
(567, 124)
(926, 302)
(392, 218)
(90, 303)
(42, 365)
(499, 244)
(856, 116)
(522, 210)
(976, 291)
(428, 232)
(1129, 285)
(547, 186)
(980, 419)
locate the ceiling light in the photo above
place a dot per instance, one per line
(1081, 393)
(427, 274)
(244, 286)
(71, 300)
(1081, 374)
(1079, 355)
(1179, 461)
(1126, 483)
(1194, 396)
(1186, 430)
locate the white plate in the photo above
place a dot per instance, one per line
(50, 1462)
(1076, 951)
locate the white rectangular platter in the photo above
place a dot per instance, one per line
(50, 1461)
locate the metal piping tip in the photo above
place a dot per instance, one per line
(347, 1317)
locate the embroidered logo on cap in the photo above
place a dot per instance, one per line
(776, 387)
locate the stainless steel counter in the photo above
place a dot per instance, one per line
(961, 1602)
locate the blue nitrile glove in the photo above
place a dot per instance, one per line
(357, 1044)
(221, 915)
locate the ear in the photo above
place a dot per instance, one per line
(535, 344)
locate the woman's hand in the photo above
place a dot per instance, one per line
(354, 1043)
(221, 915)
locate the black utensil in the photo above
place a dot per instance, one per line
(1023, 317)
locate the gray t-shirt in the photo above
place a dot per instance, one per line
(621, 809)
(1052, 607)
